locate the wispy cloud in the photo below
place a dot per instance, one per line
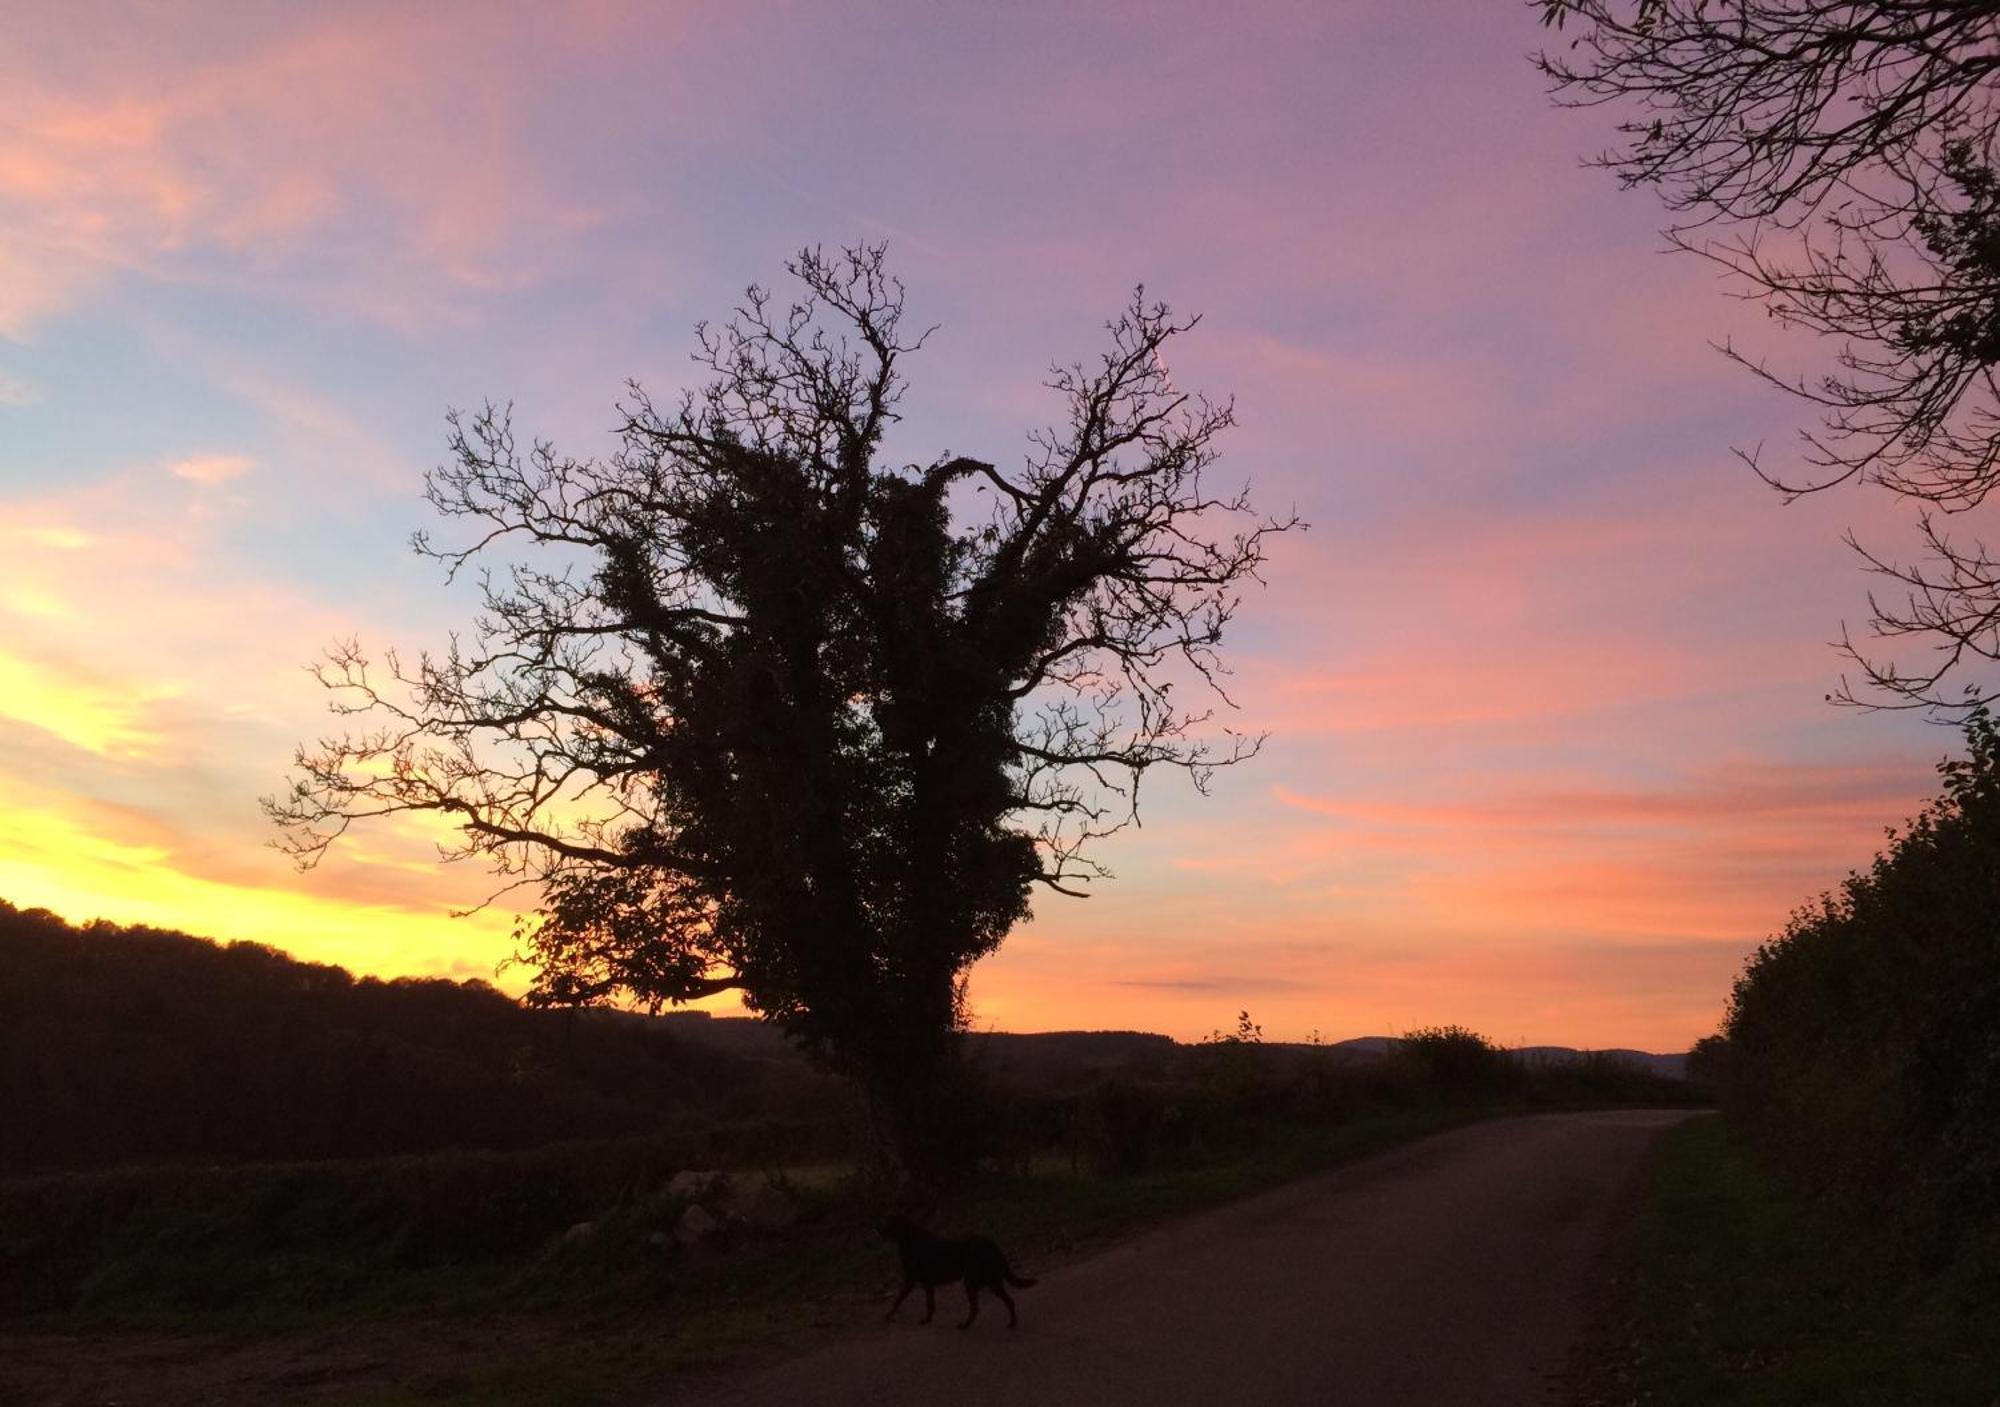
(331, 160)
(1743, 793)
(213, 468)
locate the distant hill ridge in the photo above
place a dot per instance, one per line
(1110, 1048)
(1673, 1066)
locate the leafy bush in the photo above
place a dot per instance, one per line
(1863, 1043)
(1117, 1126)
(1460, 1064)
(1599, 1077)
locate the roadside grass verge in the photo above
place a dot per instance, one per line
(604, 1322)
(1747, 1298)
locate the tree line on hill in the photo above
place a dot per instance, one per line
(197, 1125)
(123, 1046)
(127, 1045)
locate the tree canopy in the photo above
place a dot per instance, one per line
(752, 709)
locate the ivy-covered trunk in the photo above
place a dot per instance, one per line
(926, 1126)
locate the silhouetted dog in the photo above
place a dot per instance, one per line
(931, 1261)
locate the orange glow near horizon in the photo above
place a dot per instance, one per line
(1548, 754)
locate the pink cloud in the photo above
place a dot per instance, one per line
(212, 468)
(335, 159)
(1745, 793)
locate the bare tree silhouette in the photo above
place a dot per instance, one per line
(762, 713)
(1837, 159)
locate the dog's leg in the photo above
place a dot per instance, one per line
(972, 1303)
(908, 1285)
(1008, 1300)
(930, 1302)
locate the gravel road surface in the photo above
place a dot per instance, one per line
(1452, 1272)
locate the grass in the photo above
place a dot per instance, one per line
(603, 1323)
(1058, 1213)
(1745, 1298)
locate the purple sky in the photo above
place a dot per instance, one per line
(1544, 678)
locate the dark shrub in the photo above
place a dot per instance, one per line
(1118, 1123)
(1863, 1043)
(1460, 1064)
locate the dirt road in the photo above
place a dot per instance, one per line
(1454, 1272)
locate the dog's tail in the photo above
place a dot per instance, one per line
(1019, 1282)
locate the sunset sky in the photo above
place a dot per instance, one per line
(1544, 679)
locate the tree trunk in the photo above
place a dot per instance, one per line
(927, 1118)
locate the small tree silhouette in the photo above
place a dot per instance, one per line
(1247, 1032)
(1235, 1066)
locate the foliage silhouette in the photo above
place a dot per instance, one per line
(1460, 1062)
(1860, 1048)
(1838, 161)
(765, 713)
